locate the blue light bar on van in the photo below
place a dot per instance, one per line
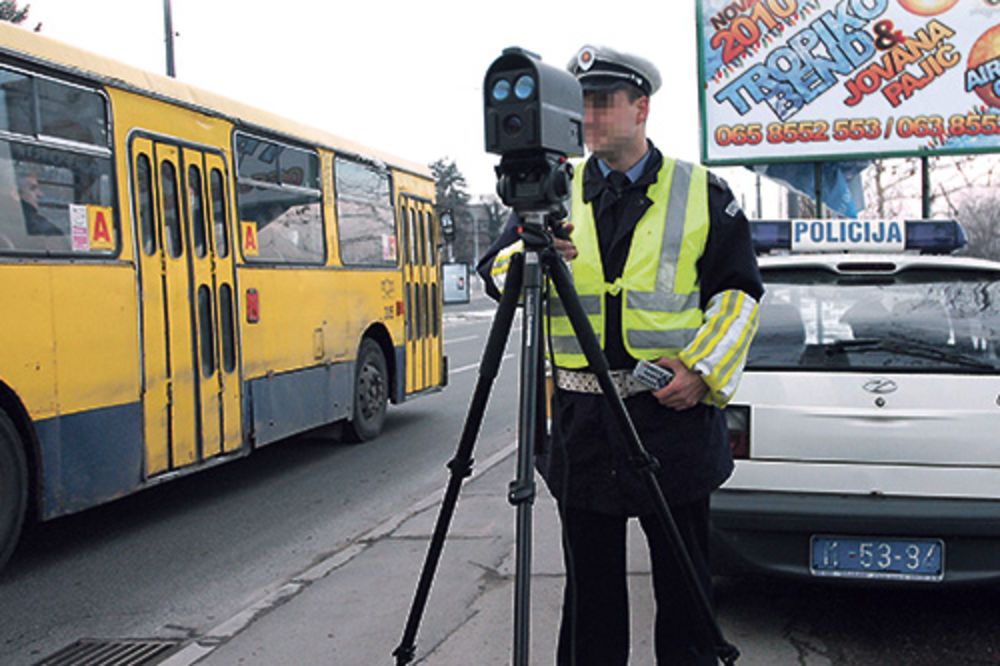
(770, 235)
(837, 235)
(935, 236)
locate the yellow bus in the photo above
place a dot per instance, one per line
(184, 279)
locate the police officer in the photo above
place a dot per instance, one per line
(661, 258)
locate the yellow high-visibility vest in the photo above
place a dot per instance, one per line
(661, 313)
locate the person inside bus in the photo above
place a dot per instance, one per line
(629, 211)
(28, 193)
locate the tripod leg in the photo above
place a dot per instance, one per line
(522, 489)
(461, 464)
(644, 463)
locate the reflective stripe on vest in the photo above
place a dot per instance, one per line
(660, 313)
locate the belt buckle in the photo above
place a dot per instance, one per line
(621, 384)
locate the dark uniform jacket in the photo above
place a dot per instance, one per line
(586, 465)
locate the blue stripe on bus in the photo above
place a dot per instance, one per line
(292, 402)
(90, 457)
(400, 374)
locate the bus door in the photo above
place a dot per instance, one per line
(191, 396)
(435, 334)
(423, 315)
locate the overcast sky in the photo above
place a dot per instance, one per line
(401, 76)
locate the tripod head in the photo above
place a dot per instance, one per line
(535, 181)
(537, 187)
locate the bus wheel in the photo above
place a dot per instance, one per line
(13, 487)
(371, 393)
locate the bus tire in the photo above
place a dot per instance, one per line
(371, 393)
(13, 487)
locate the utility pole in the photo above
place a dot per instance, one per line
(168, 29)
(760, 214)
(475, 237)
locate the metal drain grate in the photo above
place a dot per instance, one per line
(98, 652)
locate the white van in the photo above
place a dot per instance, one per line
(867, 425)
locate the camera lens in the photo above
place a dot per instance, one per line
(501, 90)
(512, 124)
(524, 86)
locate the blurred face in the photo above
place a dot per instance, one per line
(614, 126)
(29, 190)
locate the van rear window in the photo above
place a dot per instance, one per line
(916, 320)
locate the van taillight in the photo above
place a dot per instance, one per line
(738, 422)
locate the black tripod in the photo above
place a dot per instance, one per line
(528, 272)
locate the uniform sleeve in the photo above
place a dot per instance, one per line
(731, 289)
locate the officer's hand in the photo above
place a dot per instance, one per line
(565, 246)
(685, 390)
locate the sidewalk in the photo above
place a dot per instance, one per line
(351, 608)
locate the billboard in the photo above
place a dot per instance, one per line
(811, 80)
(455, 278)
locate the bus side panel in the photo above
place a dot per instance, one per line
(27, 351)
(96, 336)
(76, 330)
(89, 457)
(400, 353)
(92, 450)
(296, 401)
(312, 317)
(298, 358)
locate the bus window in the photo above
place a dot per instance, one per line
(55, 196)
(434, 309)
(421, 228)
(71, 113)
(205, 329)
(254, 160)
(414, 237)
(144, 203)
(299, 168)
(17, 103)
(366, 219)
(288, 216)
(174, 242)
(195, 202)
(427, 311)
(227, 328)
(430, 238)
(219, 214)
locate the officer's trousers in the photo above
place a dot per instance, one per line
(595, 621)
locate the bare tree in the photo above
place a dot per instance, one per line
(981, 219)
(496, 215)
(450, 184)
(956, 180)
(451, 195)
(892, 188)
(9, 11)
(962, 187)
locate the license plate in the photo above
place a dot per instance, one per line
(874, 557)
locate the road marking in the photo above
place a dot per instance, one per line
(465, 339)
(469, 315)
(455, 371)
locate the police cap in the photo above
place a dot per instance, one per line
(602, 68)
